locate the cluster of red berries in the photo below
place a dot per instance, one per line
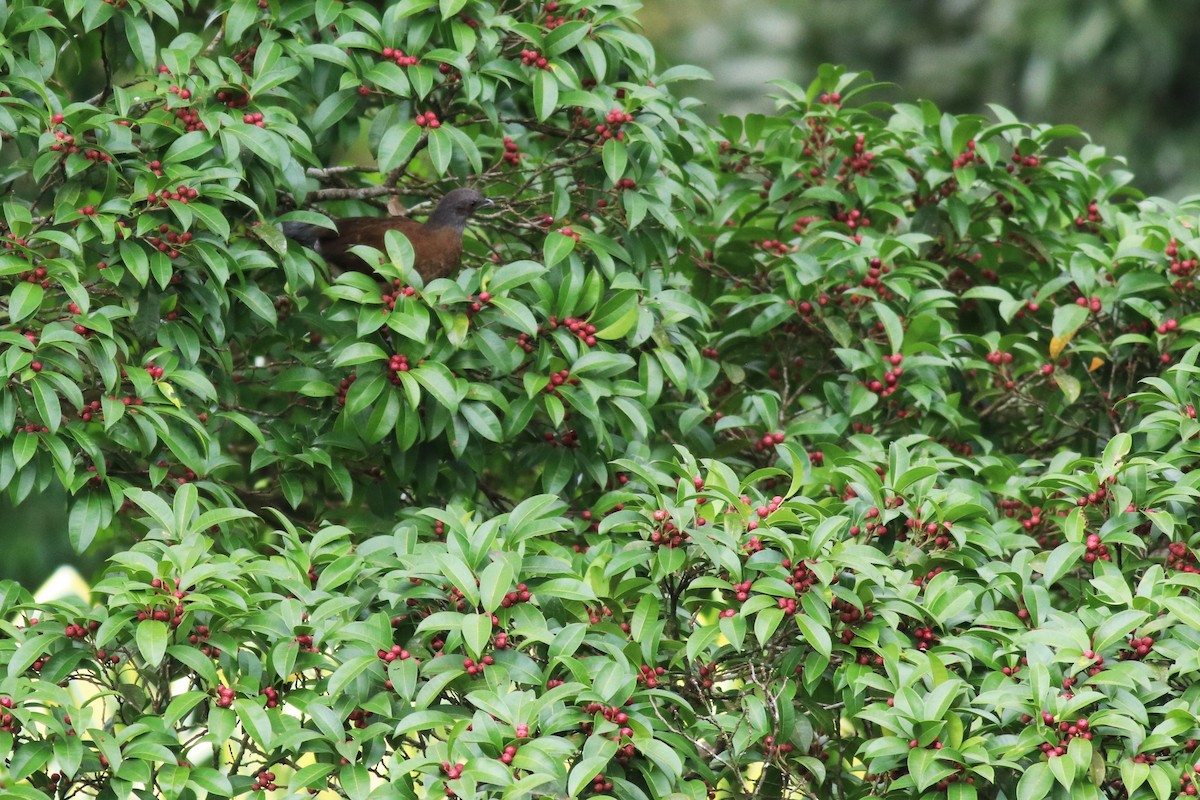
(1010, 672)
(763, 511)
(98, 156)
(929, 529)
(37, 275)
(770, 748)
(1096, 550)
(801, 224)
(1097, 660)
(1179, 557)
(475, 668)
(12, 242)
(666, 534)
(396, 364)
(597, 614)
(769, 440)
(182, 194)
(225, 696)
(1139, 648)
(475, 305)
(1019, 160)
(891, 377)
(233, 99)
(455, 597)
(254, 118)
(611, 127)
(568, 438)
(398, 290)
(800, 577)
(998, 357)
(776, 247)
(1181, 268)
(568, 232)
(344, 387)
(853, 219)
(648, 676)
(519, 595)
(65, 142)
(198, 636)
(452, 771)
(612, 714)
(427, 119)
(873, 280)
(1092, 304)
(1167, 326)
(831, 98)
(741, 591)
(188, 117)
(558, 379)
(510, 752)
(925, 637)
(512, 153)
(599, 784)
(861, 162)
(532, 58)
(624, 184)
(866, 658)
(357, 718)
(396, 653)
(850, 615)
(8, 722)
(264, 780)
(272, 695)
(397, 55)
(305, 642)
(154, 371)
(969, 157)
(1090, 221)
(80, 630)
(244, 59)
(923, 580)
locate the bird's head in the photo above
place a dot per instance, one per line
(457, 207)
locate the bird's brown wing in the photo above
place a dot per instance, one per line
(437, 252)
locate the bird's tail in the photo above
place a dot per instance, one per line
(303, 233)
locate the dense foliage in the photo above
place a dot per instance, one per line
(839, 452)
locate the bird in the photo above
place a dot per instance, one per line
(437, 242)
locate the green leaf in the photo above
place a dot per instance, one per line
(438, 381)
(1035, 783)
(441, 149)
(152, 637)
(545, 94)
(333, 109)
(25, 300)
(616, 158)
(141, 39)
(556, 247)
(476, 631)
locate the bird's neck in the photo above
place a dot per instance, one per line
(445, 218)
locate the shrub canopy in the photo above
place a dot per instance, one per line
(839, 452)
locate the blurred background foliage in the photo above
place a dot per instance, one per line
(1117, 69)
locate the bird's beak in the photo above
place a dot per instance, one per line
(487, 202)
